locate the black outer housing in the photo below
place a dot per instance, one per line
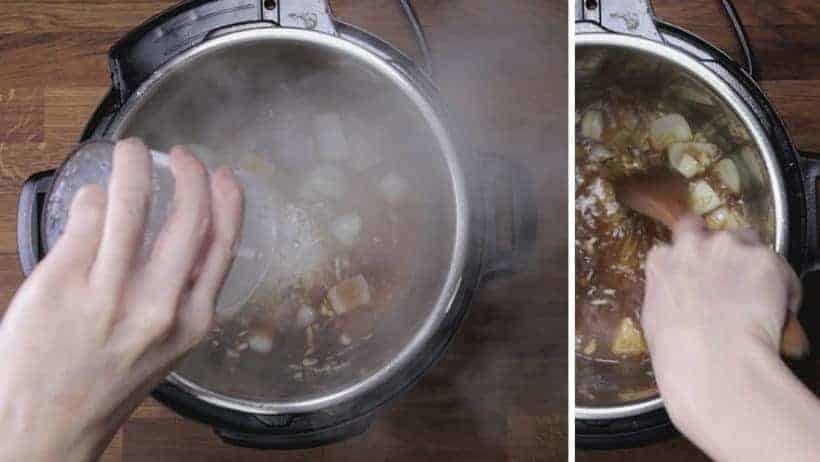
(135, 58)
(800, 174)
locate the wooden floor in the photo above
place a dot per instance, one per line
(784, 37)
(500, 391)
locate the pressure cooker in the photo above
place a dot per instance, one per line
(294, 90)
(623, 43)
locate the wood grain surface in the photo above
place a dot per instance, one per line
(500, 391)
(784, 37)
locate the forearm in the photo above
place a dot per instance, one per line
(54, 449)
(752, 409)
(27, 437)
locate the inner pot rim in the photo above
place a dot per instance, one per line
(692, 66)
(423, 97)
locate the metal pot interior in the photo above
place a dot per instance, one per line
(255, 100)
(656, 73)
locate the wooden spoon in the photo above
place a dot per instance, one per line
(662, 195)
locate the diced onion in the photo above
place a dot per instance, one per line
(347, 228)
(328, 181)
(592, 125)
(687, 165)
(331, 141)
(591, 347)
(704, 153)
(667, 130)
(727, 173)
(349, 294)
(599, 152)
(628, 340)
(724, 218)
(702, 198)
(260, 342)
(394, 188)
(363, 153)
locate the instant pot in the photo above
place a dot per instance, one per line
(169, 78)
(780, 181)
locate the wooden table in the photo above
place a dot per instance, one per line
(783, 36)
(500, 391)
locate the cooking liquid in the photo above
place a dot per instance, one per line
(612, 242)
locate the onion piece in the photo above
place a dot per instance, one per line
(363, 154)
(350, 294)
(326, 180)
(592, 125)
(704, 153)
(599, 152)
(628, 340)
(346, 229)
(727, 173)
(724, 218)
(260, 341)
(394, 188)
(687, 165)
(667, 130)
(591, 347)
(702, 198)
(331, 142)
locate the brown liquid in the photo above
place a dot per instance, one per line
(612, 242)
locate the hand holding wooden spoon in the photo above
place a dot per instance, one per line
(663, 196)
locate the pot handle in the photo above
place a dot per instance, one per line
(810, 167)
(137, 55)
(631, 17)
(29, 208)
(507, 189)
(636, 17)
(304, 440)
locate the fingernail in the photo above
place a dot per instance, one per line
(226, 172)
(134, 142)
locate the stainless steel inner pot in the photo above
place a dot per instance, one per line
(239, 93)
(606, 60)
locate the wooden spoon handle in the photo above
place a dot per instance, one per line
(795, 342)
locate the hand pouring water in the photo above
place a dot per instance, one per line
(91, 163)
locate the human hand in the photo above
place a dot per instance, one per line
(713, 301)
(93, 330)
